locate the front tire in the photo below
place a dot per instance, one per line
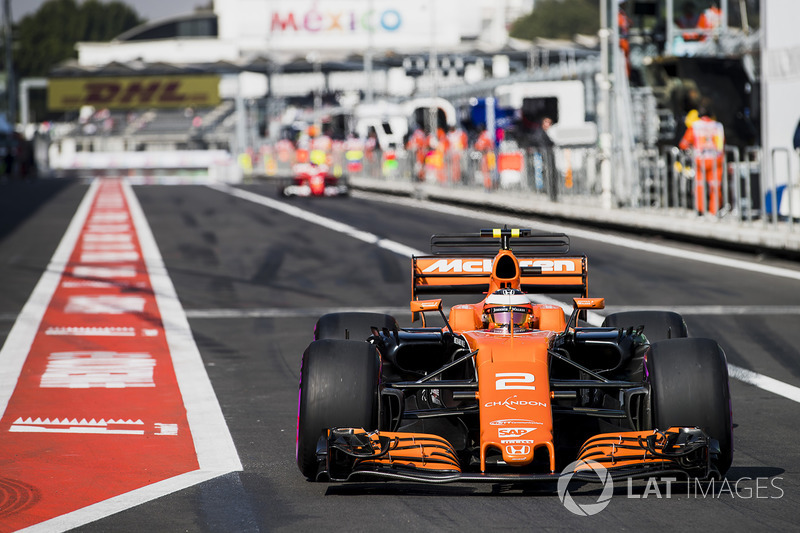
(338, 388)
(658, 325)
(354, 325)
(689, 387)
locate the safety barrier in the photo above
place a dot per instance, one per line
(729, 189)
(557, 173)
(733, 189)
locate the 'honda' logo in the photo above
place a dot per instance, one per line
(518, 450)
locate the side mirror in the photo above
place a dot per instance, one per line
(589, 303)
(420, 306)
(583, 303)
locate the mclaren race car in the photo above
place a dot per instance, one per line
(312, 179)
(505, 389)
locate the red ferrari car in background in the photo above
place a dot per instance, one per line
(312, 179)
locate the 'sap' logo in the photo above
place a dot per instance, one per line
(505, 433)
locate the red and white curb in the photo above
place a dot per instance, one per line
(104, 398)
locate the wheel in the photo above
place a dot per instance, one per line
(355, 326)
(280, 187)
(338, 388)
(658, 325)
(689, 387)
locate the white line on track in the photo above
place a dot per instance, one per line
(335, 225)
(624, 242)
(766, 383)
(275, 312)
(20, 338)
(763, 382)
(216, 453)
(281, 312)
(748, 376)
(213, 442)
(726, 310)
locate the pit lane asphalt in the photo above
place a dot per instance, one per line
(224, 253)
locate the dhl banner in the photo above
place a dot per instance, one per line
(133, 92)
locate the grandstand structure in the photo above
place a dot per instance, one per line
(139, 93)
(221, 81)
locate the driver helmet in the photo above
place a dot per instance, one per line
(508, 306)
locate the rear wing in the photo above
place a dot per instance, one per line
(472, 275)
(465, 264)
(486, 244)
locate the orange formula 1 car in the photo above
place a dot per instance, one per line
(507, 390)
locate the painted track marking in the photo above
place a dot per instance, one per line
(99, 376)
(275, 312)
(753, 378)
(623, 242)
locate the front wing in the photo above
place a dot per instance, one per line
(352, 454)
(305, 190)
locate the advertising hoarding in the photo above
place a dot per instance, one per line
(321, 25)
(133, 92)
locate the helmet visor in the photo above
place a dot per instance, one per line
(510, 315)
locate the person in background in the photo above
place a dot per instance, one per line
(706, 139)
(624, 34)
(688, 17)
(485, 146)
(688, 21)
(457, 142)
(543, 145)
(796, 139)
(436, 146)
(710, 19)
(484, 141)
(417, 145)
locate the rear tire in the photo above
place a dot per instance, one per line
(353, 326)
(689, 387)
(658, 325)
(338, 388)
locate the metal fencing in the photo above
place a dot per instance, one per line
(556, 174)
(730, 188)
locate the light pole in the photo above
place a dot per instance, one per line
(433, 61)
(10, 83)
(316, 62)
(370, 94)
(605, 105)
